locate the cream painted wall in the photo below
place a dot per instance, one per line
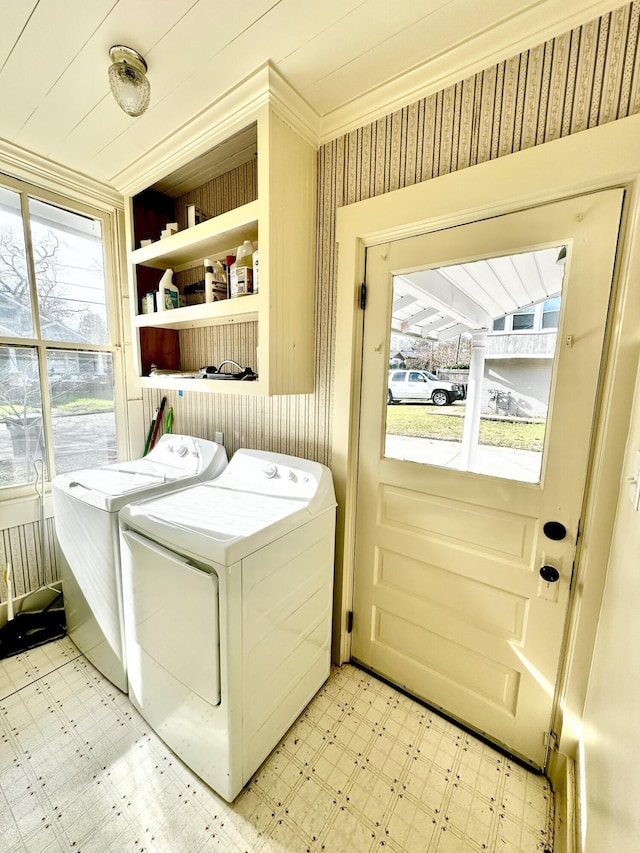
(610, 749)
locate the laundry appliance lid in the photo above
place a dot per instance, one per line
(261, 497)
(176, 459)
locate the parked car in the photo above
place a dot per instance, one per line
(420, 386)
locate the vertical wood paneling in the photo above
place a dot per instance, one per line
(21, 547)
(588, 76)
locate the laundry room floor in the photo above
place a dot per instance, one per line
(363, 769)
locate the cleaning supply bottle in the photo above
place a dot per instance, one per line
(168, 294)
(256, 267)
(215, 281)
(241, 274)
(209, 289)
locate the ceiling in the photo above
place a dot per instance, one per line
(351, 60)
(439, 304)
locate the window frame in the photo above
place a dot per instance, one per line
(537, 309)
(111, 225)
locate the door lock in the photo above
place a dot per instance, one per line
(549, 574)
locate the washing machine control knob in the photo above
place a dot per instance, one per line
(270, 470)
(182, 450)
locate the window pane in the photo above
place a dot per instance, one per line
(551, 313)
(15, 296)
(21, 435)
(69, 268)
(523, 319)
(485, 414)
(84, 426)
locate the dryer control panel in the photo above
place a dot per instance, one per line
(189, 454)
(279, 475)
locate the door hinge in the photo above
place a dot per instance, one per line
(550, 740)
(349, 621)
(363, 295)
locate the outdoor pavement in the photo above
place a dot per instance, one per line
(522, 465)
(80, 441)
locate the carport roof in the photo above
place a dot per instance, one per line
(440, 303)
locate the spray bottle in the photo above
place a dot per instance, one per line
(168, 293)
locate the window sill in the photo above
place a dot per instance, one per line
(19, 505)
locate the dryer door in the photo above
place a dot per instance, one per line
(171, 629)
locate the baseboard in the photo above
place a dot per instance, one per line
(562, 773)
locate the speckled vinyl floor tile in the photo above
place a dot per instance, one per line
(363, 769)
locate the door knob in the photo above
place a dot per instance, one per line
(554, 530)
(549, 574)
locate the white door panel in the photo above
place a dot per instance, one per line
(449, 601)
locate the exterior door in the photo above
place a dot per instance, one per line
(451, 600)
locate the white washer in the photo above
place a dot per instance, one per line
(227, 590)
(86, 505)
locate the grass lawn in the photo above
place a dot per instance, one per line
(85, 404)
(424, 422)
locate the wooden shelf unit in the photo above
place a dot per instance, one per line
(281, 219)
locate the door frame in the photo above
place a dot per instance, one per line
(603, 157)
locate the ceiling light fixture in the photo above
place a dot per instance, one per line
(128, 79)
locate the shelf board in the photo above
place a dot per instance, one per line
(242, 309)
(207, 240)
(254, 388)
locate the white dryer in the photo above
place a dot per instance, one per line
(86, 505)
(228, 590)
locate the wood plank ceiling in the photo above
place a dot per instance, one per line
(350, 59)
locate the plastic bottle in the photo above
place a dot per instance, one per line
(220, 281)
(241, 274)
(215, 281)
(209, 290)
(256, 267)
(168, 294)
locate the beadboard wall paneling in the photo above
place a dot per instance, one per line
(21, 546)
(213, 345)
(233, 189)
(585, 77)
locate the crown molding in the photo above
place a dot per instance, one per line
(546, 20)
(24, 165)
(221, 119)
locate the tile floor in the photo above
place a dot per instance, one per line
(363, 769)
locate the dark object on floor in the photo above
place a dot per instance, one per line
(31, 628)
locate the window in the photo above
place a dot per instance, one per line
(57, 353)
(523, 319)
(533, 318)
(551, 313)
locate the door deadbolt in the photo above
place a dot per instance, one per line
(549, 574)
(554, 530)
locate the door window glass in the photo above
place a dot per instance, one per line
(487, 399)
